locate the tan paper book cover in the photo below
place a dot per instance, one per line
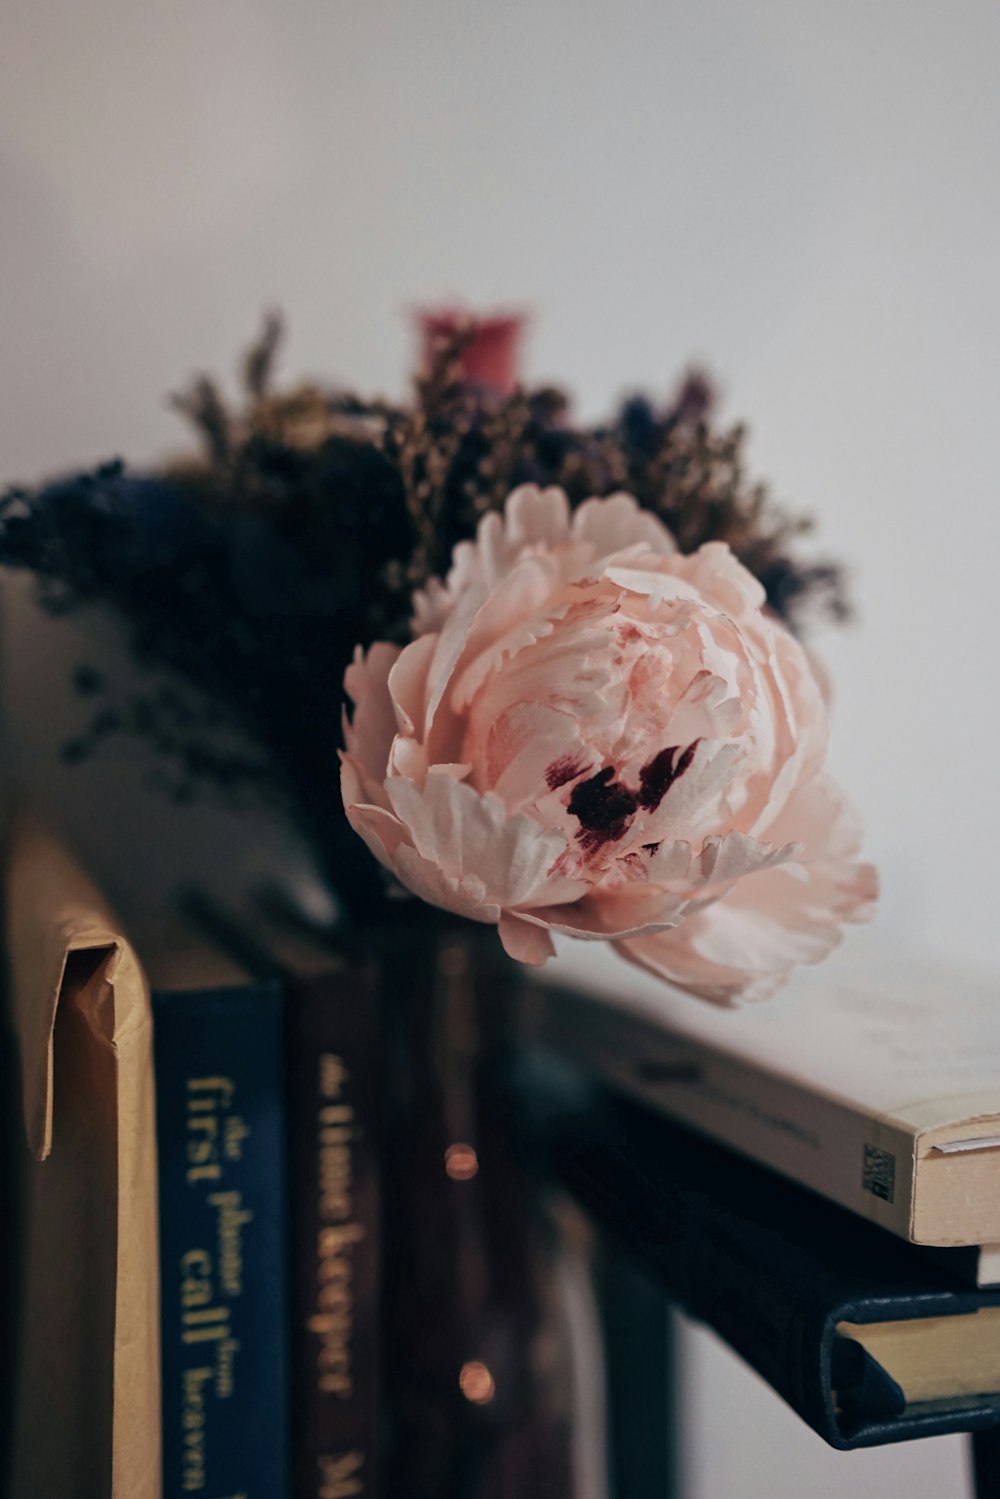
(86, 1386)
(873, 1078)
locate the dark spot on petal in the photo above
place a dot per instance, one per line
(605, 809)
(561, 771)
(656, 778)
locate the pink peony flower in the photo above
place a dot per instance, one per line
(594, 734)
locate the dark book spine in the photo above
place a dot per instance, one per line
(679, 1210)
(334, 1109)
(710, 1271)
(219, 1059)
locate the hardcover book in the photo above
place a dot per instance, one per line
(862, 1334)
(334, 1104)
(872, 1079)
(335, 1227)
(220, 1076)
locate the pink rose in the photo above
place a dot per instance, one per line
(592, 733)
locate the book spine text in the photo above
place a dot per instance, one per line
(221, 1139)
(333, 1048)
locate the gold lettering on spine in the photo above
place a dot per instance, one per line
(193, 1421)
(214, 1136)
(332, 1321)
(335, 1163)
(233, 1218)
(340, 1475)
(208, 1099)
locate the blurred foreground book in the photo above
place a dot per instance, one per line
(85, 1381)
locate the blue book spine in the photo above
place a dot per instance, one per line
(223, 1251)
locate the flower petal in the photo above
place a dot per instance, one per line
(371, 729)
(745, 945)
(734, 856)
(465, 833)
(533, 516)
(408, 681)
(627, 912)
(512, 618)
(464, 896)
(524, 940)
(618, 521)
(688, 970)
(447, 651)
(722, 580)
(431, 607)
(382, 832)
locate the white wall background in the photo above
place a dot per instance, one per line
(802, 194)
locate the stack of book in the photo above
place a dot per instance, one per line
(818, 1179)
(198, 1251)
(223, 1137)
(197, 1278)
(266, 1127)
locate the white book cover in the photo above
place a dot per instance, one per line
(873, 1078)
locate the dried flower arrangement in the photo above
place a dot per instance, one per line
(311, 522)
